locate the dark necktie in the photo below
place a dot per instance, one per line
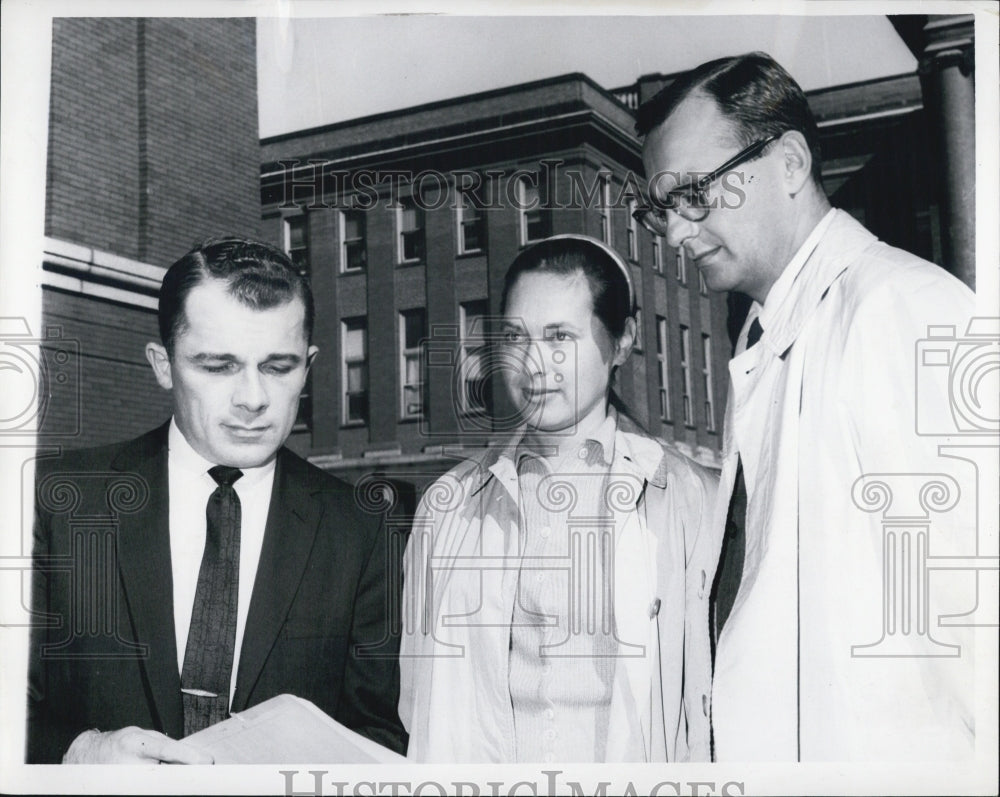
(730, 571)
(208, 657)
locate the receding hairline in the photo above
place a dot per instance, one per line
(726, 134)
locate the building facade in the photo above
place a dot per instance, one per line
(137, 173)
(407, 222)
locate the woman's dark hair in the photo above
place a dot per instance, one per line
(607, 275)
(565, 255)
(753, 91)
(257, 274)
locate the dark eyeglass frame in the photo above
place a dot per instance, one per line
(690, 200)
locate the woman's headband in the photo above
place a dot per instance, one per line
(617, 258)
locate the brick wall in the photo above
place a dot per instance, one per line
(102, 389)
(153, 145)
(153, 134)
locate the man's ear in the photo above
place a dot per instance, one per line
(625, 342)
(159, 360)
(797, 165)
(311, 356)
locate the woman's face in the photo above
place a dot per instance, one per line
(557, 356)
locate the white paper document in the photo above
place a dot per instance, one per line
(288, 730)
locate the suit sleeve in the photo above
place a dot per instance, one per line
(922, 703)
(50, 729)
(371, 677)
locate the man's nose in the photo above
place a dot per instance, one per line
(250, 392)
(679, 229)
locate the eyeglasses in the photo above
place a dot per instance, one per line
(690, 201)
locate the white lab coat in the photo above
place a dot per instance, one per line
(455, 699)
(827, 396)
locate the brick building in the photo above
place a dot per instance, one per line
(137, 172)
(383, 211)
(408, 221)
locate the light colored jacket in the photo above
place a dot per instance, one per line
(824, 656)
(454, 652)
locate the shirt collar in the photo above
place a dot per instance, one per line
(783, 285)
(183, 456)
(599, 446)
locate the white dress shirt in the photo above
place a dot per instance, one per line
(190, 487)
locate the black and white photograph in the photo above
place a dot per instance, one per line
(429, 399)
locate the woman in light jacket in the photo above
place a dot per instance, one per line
(556, 586)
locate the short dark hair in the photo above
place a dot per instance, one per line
(568, 255)
(752, 91)
(258, 274)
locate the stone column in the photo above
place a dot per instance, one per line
(947, 69)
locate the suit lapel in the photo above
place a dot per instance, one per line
(292, 521)
(144, 563)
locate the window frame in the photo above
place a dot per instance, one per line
(686, 397)
(708, 381)
(406, 355)
(408, 203)
(604, 207)
(344, 242)
(663, 367)
(524, 184)
(358, 323)
(681, 266)
(469, 349)
(461, 224)
(632, 230)
(286, 235)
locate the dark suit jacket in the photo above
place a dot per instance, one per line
(103, 651)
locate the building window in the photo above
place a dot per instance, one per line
(662, 373)
(410, 220)
(604, 185)
(686, 372)
(296, 235)
(412, 330)
(471, 225)
(638, 330)
(706, 374)
(533, 220)
(682, 270)
(355, 373)
(633, 230)
(353, 249)
(702, 285)
(472, 359)
(657, 255)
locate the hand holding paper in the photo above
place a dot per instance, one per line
(287, 730)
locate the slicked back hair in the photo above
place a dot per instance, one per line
(752, 91)
(257, 274)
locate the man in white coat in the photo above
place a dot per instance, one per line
(832, 641)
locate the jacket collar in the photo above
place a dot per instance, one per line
(635, 452)
(143, 550)
(837, 247)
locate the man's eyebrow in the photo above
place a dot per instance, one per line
(561, 325)
(291, 358)
(205, 356)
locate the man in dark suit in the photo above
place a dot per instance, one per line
(204, 568)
